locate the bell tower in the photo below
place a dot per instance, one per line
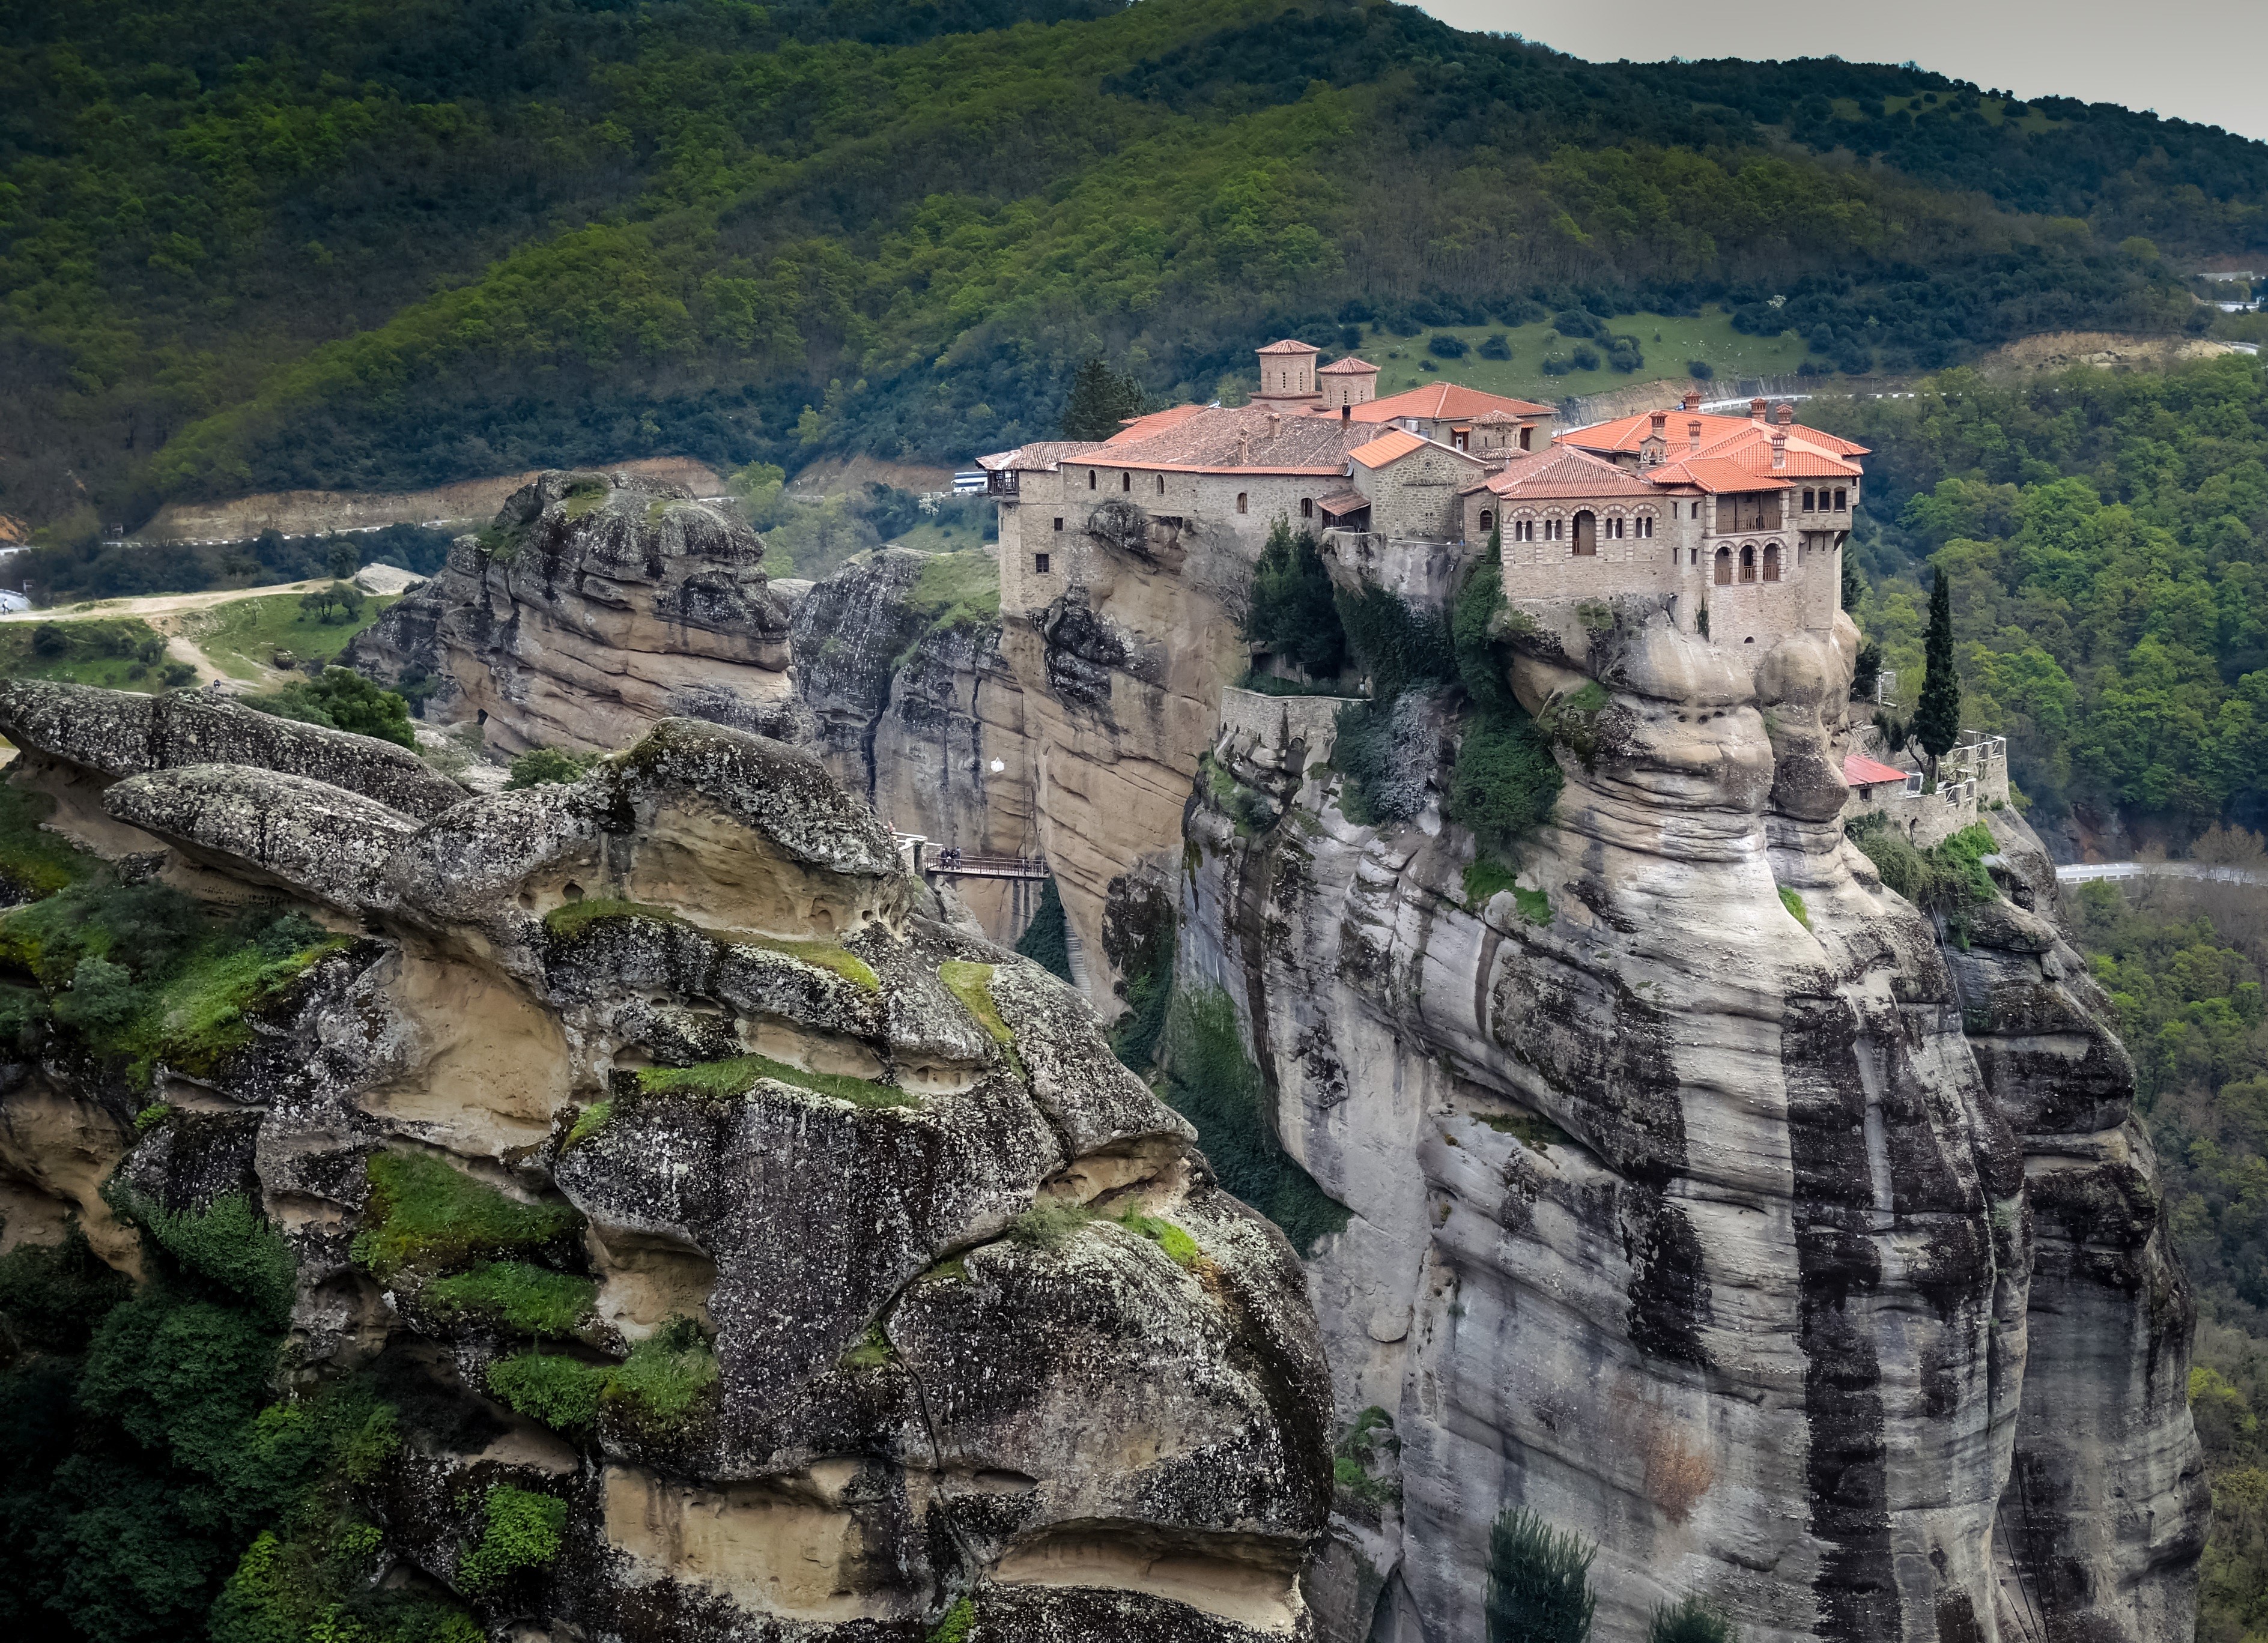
(1287, 375)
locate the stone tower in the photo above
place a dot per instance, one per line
(1348, 381)
(1287, 375)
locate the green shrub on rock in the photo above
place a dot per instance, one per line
(1539, 1589)
(425, 1215)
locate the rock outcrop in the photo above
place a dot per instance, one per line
(596, 604)
(917, 709)
(875, 1295)
(1707, 1199)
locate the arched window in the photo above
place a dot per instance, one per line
(1747, 561)
(1241, 500)
(1126, 481)
(1771, 562)
(1587, 535)
(1724, 567)
(1307, 507)
(1488, 520)
(1161, 485)
(1090, 479)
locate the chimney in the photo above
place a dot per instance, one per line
(1692, 400)
(1656, 441)
(1755, 410)
(1779, 449)
(1693, 435)
(1786, 416)
(1275, 424)
(1346, 412)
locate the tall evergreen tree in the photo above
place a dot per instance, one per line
(1937, 717)
(1101, 400)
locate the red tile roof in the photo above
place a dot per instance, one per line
(1756, 455)
(1861, 771)
(1340, 503)
(1228, 438)
(1385, 448)
(1440, 401)
(1626, 434)
(1713, 474)
(1155, 422)
(1558, 472)
(1289, 345)
(1348, 367)
(1038, 456)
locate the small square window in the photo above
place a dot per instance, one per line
(1059, 525)
(1040, 564)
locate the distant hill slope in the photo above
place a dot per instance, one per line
(247, 245)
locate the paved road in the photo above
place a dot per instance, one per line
(2085, 872)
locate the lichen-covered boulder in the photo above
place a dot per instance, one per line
(289, 831)
(120, 733)
(746, 1252)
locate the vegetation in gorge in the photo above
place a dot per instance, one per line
(1293, 609)
(2184, 964)
(146, 1459)
(1210, 1081)
(250, 246)
(2105, 540)
(1046, 940)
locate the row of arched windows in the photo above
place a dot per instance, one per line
(1750, 564)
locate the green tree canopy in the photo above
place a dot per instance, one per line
(1101, 400)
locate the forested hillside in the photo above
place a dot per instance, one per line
(2107, 538)
(248, 245)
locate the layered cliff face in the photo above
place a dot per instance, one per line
(1707, 1199)
(1121, 681)
(897, 657)
(740, 1250)
(595, 604)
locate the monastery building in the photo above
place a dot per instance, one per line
(1736, 523)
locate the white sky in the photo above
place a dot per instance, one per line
(2201, 60)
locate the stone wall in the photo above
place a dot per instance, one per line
(1289, 736)
(1416, 495)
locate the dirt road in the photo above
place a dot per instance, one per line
(166, 613)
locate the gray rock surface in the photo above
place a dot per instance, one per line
(691, 1038)
(595, 604)
(1808, 1263)
(287, 832)
(915, 711)
(121, 733)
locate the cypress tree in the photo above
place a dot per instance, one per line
(1100, 398)
(1937, 716)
